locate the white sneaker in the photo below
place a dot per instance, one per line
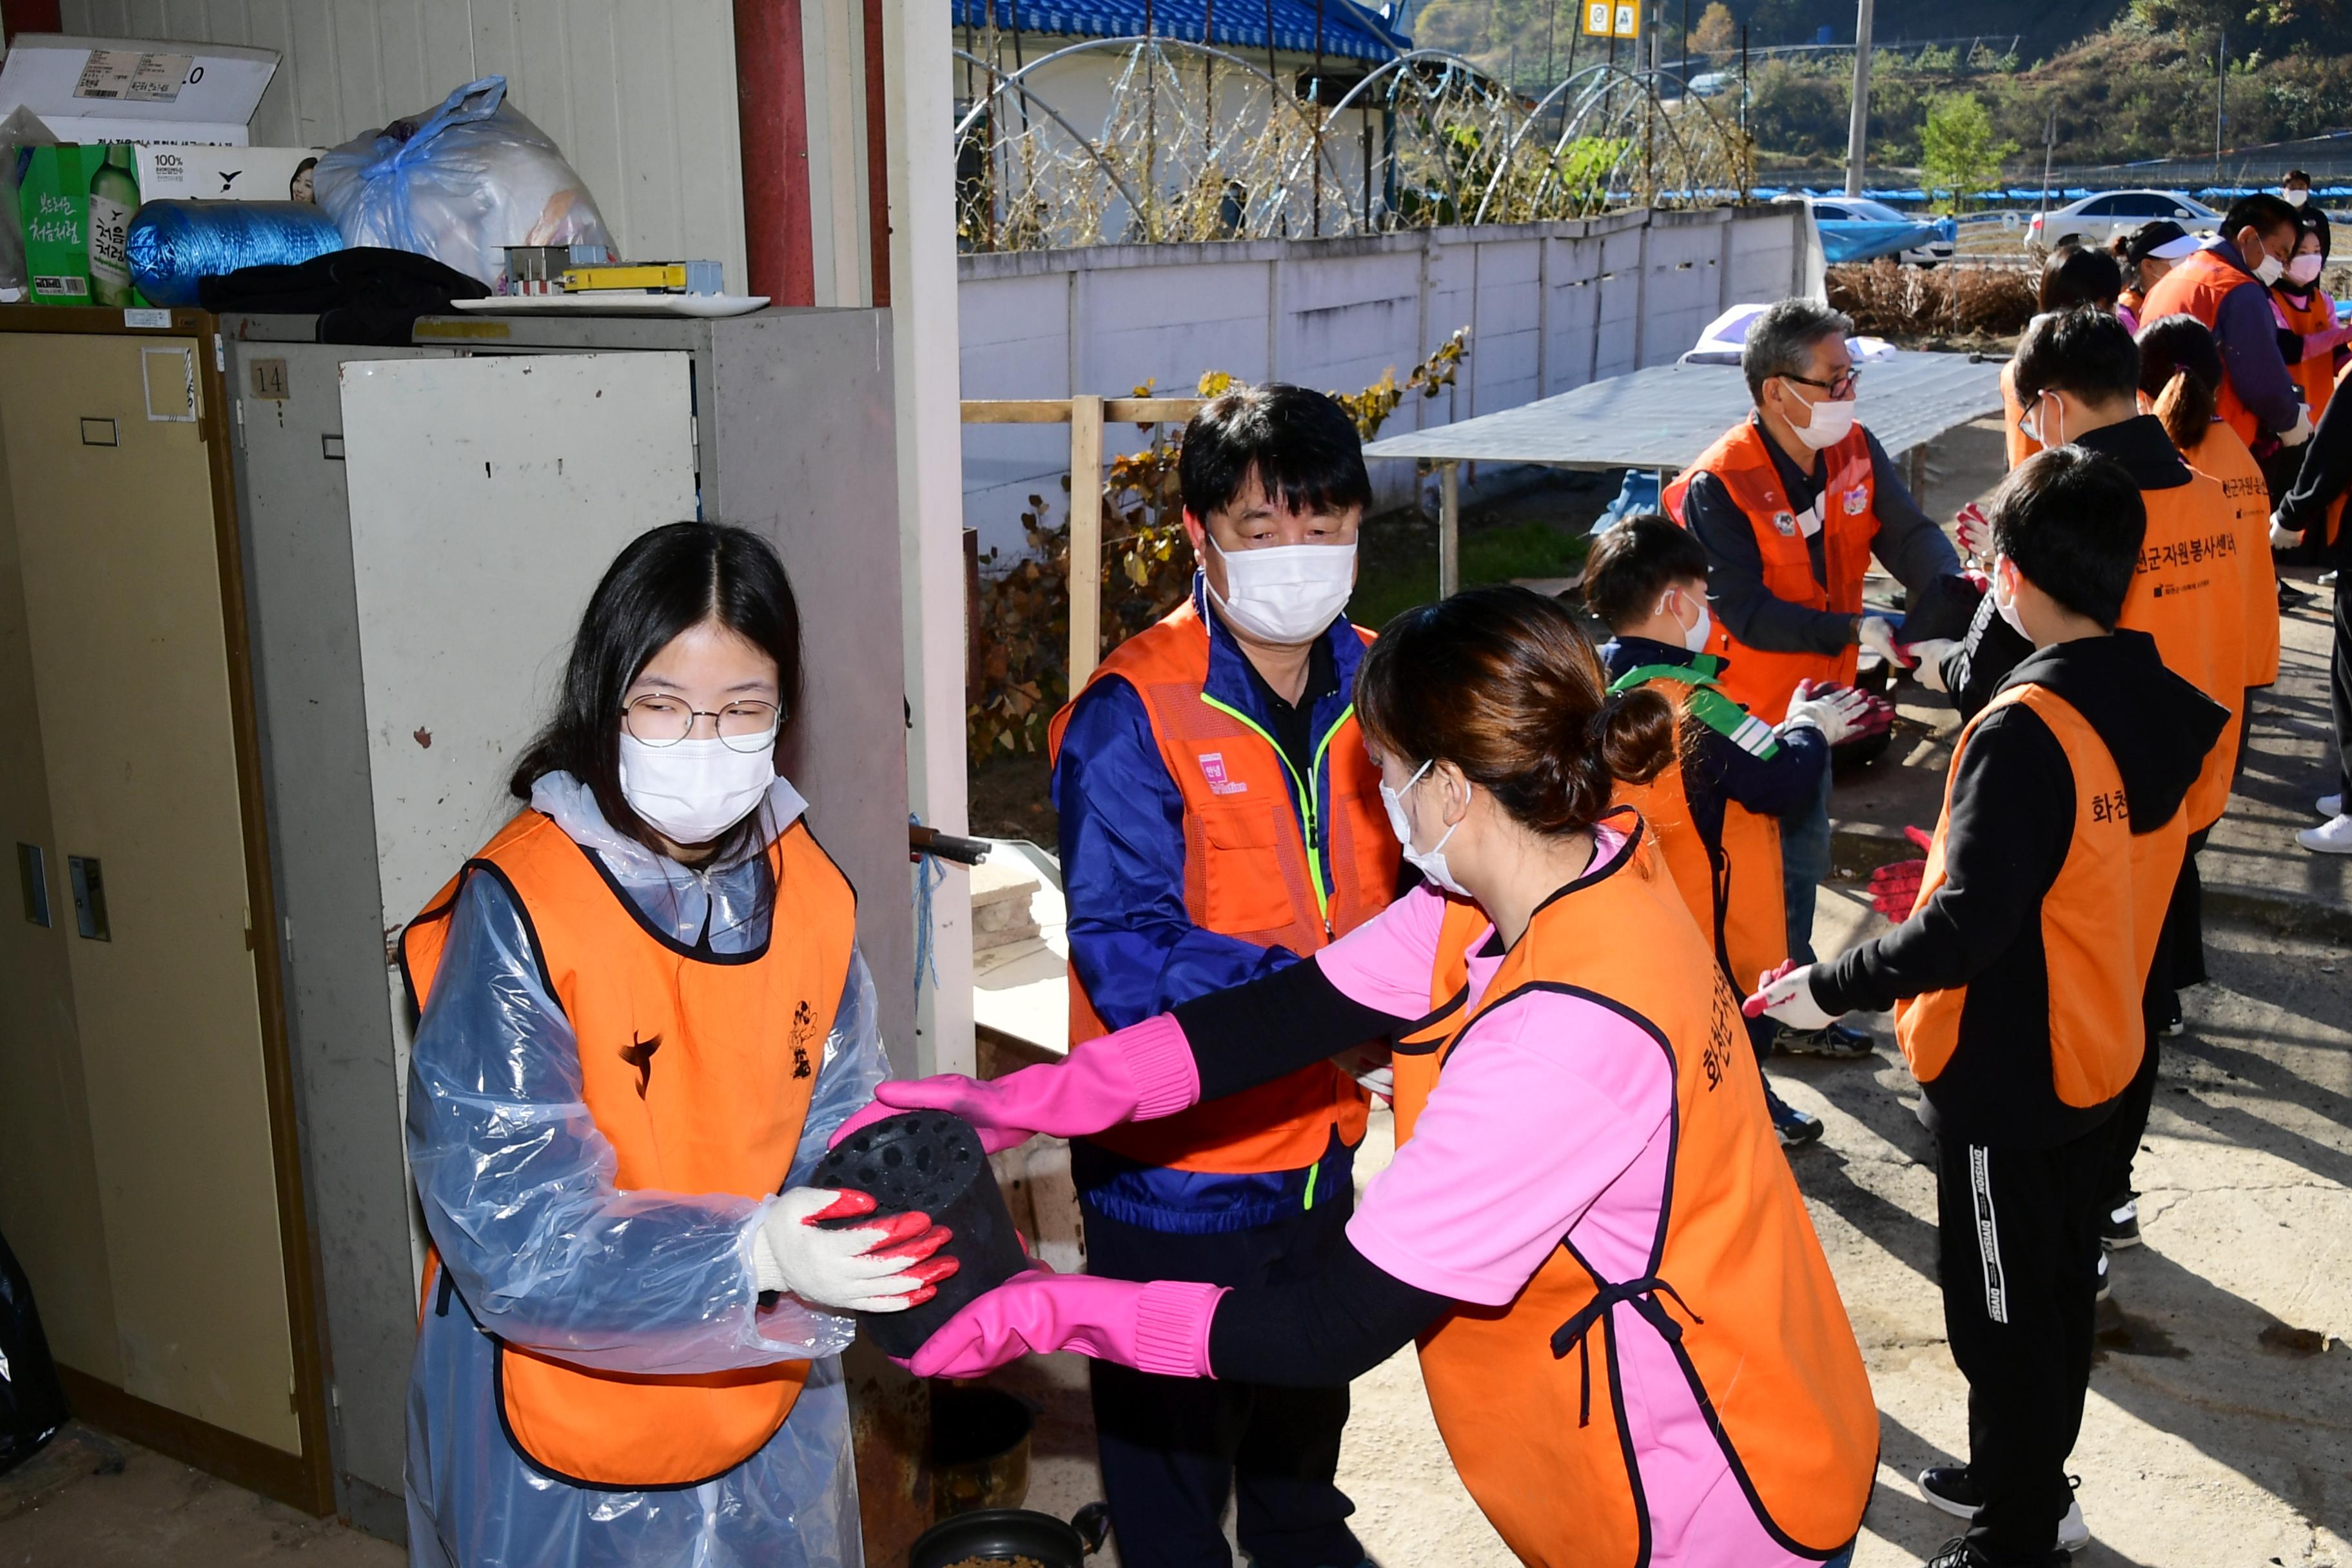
(2333, 836)
(2074, 1531)
(2328, 806)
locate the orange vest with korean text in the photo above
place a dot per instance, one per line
(2189, 593)
(1528, 1395)
(1732, 889)
(2197, 288)
(1759, 681)
(2100, 920)
(2315, 375)
(1251, 873)
(697, 1069)
(2223, 458)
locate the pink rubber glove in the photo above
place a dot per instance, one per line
(1895, 888)
(1160, 1327)
(1130, 1075)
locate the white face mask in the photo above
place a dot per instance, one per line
(692, 792)
(2269, 270)
(2302, 270)
(2030, 423)
(2007, 608)
(2296, 198)
(1827, 422)
(1286, 593)
(1694, 635)
(1429, 862)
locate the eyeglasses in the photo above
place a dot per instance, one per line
(658, 718)
(1839, 390)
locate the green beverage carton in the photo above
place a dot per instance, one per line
(75, 203)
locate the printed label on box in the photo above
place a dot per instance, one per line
(133, 76)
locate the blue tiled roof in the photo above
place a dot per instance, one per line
(1350, 31)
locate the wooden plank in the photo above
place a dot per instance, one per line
(1016, 410)
(1449, 529)
(1150, 410)
(1056, 410)
(1085, 537)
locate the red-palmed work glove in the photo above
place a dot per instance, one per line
(1160, 1327)
(1135, 1074)
(1975, 532)
(1785, 996)
(1894, 887)
(886, 1267)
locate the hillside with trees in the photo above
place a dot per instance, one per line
(2114, 82)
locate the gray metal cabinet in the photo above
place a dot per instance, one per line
(422, 527)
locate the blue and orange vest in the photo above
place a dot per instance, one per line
(741, 1038)
(1269, 858)
(1759, 681)
(2197, 288)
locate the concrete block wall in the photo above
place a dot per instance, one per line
(1549, 307)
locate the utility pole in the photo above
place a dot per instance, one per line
(2221, 97)
(1858, 129)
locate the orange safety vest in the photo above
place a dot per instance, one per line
(2098, 929)
(2315, 375)
(2189, 593)
(1732, 889)
(2220, 457)
(1763, 682)
(2020, 446)
(2197, 288)
(1250, 873)
(719, 1110)
(1738, 1286)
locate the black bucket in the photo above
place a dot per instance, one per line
(980, 1450)
(1008, 1534)
(931, 1162)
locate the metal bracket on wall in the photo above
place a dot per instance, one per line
(89, 884)
(33, 871)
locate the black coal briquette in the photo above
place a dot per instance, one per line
(929, 1162)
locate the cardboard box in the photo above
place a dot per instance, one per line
(76, 207)
(133, 90)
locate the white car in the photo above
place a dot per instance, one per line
(1859, 209)
(2095, 221)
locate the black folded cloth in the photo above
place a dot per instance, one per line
(367, 295)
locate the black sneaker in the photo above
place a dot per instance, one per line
(1835, 1041)
(2106, 1292)
(2121, 1227)
(1794, 1126)
(1951, 1488)
(2174, 1023)
(2289, 596)
(1958, 1553)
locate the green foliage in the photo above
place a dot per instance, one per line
(1023, 614)
(1957, 155)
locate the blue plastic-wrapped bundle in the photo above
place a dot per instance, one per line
(173, 245)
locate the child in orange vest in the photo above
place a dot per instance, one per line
(2019, 984)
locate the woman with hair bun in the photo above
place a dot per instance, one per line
(1632, 1341)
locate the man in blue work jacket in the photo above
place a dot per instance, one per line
(1221, 819)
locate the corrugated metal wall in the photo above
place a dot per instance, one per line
(641, 97)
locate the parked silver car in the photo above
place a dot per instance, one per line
(2096, 220)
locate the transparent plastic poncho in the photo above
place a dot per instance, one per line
(542, 1251)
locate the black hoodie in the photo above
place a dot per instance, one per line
(2007, 833)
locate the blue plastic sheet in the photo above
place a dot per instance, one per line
(173, 245)
(1850, 241)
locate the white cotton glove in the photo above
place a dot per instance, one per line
(1877, 635)
(1838, 716)
(1790, 1000)
(2283, 538)
(2302, 431)
(886, 1267)
(1931, 654)
(1372, 1068)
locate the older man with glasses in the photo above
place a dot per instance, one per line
(1791, 503)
